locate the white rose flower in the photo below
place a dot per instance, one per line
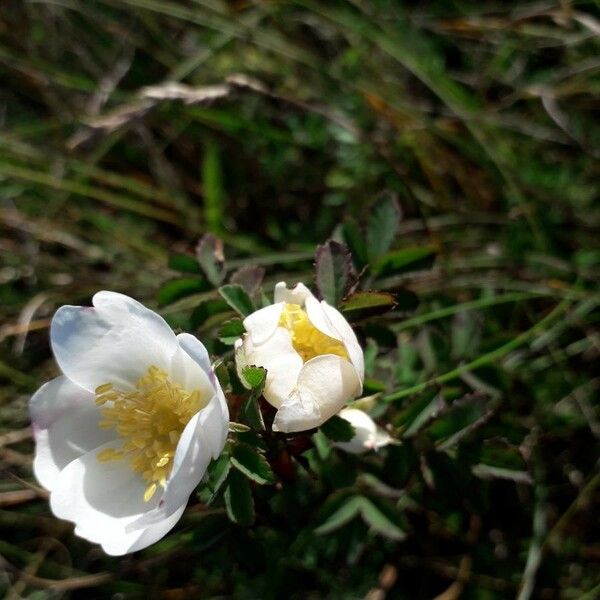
(314, 362)
(126, 433)
(367, 435)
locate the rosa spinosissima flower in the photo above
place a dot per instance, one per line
(313, 360)
(367, 435)
(127, 431)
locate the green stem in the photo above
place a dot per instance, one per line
(485, 359)
(471, 305)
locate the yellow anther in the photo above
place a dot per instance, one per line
(105, 455)
(104, 398)
(307, 340)
(149, 420)
(105, 387)
(150, 490)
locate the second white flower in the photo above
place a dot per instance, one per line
(314, 361)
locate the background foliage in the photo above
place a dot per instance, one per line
(132, 127)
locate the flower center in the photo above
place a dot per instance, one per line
(150, 420)
(307, 340)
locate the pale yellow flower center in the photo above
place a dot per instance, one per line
(150, 420)
(307, 340)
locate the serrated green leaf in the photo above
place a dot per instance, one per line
(252, 439)
(237, 387)
(255, 376)
(249, 277)
(237, 297)
(238, 499)
(230, 331)
(356, 242)
(340, 517)
(252, 464)
(338, 429)
(180, 288)
(217, 473)
(206, 310)
(382, 226)
(211, 258)
(184, 263)
(404, 260)
(251, 412)
(368, 303)
(379, 522)
(373, 516)
(378, 487)
(333, 268)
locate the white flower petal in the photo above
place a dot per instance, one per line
(348, 336)
(101, 498)
(316, 315)
(65, 424)
(104, 500)
(360, 420)
(224, 408)
(54, 398)
(382, 438)
(365, 431)
(202, 440)
(331, 322)
(278, 356)
(114, 341)
(141, 538)
(262, 323)
(196, 350)
(297, 295)
(186, 372)
(368, 436)
(324, 385)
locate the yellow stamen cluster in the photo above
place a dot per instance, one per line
(150, 419)
(307, 340)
